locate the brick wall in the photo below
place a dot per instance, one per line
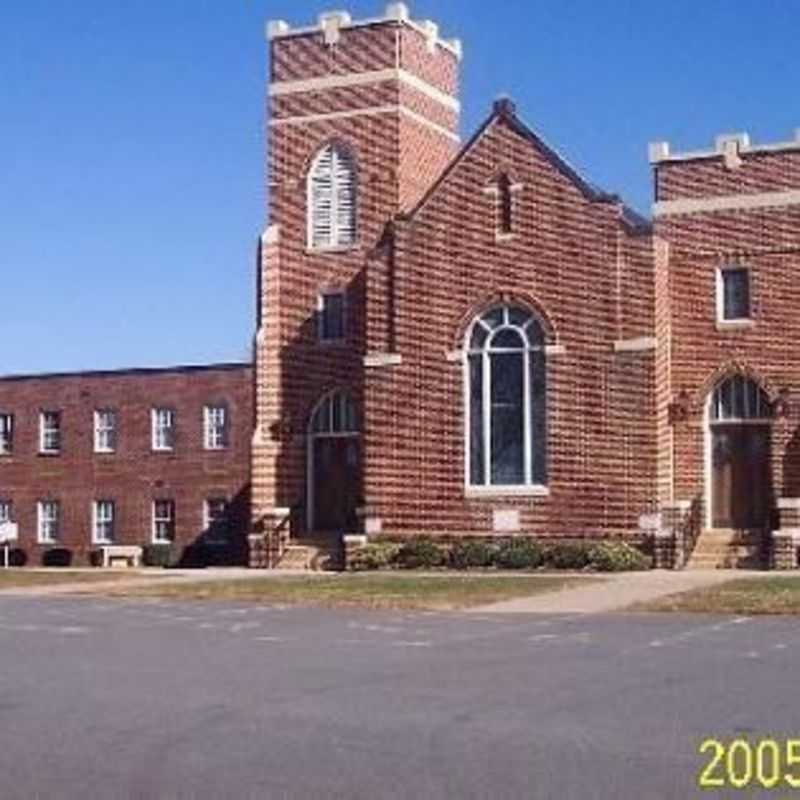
(134, 475)
(398, 156)
(590, 279)
(701, 352)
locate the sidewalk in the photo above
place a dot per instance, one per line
(618, 592)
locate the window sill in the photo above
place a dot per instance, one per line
(503, 238)
(333, 250)
(735, 324)
(492, 492)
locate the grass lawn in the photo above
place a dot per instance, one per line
(389, 591)
(779, 595)
(24, 578)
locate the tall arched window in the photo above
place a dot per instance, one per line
(332, 199)
(507, 404)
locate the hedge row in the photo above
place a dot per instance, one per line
(425, 553)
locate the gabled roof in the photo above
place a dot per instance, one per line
(505, 109)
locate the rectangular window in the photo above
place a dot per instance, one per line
(733, 300)
(163, 521)
(331, 317)
(105, 431)
(6, 434)
(103, 522)
(48, 513)
(6, 511)
(50, 432)
(215, 427)
(215, 519)
(163, 429)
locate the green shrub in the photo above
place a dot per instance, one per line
(421, 553)
(617, 557)
(568, 555)
(380, 555)
(159, 555)
(472, 555)
(520, 554)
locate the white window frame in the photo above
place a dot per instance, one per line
(207, 518)
(170, 520)
(722, 320)
(49, 426)
(162, 421)
(104, 516)
(340, 237)
(215, 430)
(6, 511)
(321, 337)
(105, 431)
(528, 487)
(48, 521)
(6, 434)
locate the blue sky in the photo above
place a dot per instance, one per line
(131, 143)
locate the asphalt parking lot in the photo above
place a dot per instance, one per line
(122, 699)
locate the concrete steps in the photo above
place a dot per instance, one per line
(721, 549)
(313, 555)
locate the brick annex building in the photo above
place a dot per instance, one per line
(473, 340)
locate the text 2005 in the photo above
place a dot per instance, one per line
(743, 764)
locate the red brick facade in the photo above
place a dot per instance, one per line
(401, 420)
(632, 344)
(134, 475)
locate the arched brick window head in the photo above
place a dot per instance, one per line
(507, 400)
(332, 199)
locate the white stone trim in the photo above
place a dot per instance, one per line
(735, 324)
(366, 112)
(284, 88)
(372, 360)
(789, 503)
(492, 492)
(659, 152)
(677, 505)
(639, 345)
(456, 356)
(271, 235)
(340, 20)
(733, 202)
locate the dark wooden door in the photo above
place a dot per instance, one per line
(740, 476)
(337, 483)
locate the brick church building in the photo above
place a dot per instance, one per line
(472, 340)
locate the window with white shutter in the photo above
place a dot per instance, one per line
(332, 199)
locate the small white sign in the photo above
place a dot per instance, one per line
(9, 532)
(373, 526)
(506, 521)
(650, 522)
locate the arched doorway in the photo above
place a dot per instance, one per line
(740, 419)
(334, 465)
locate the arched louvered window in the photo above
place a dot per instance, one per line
(332, 197)
(507, 400)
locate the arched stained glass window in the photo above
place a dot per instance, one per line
(507, 403)
(335, 415)
(738, 399)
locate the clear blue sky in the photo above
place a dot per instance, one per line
(131, 142)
